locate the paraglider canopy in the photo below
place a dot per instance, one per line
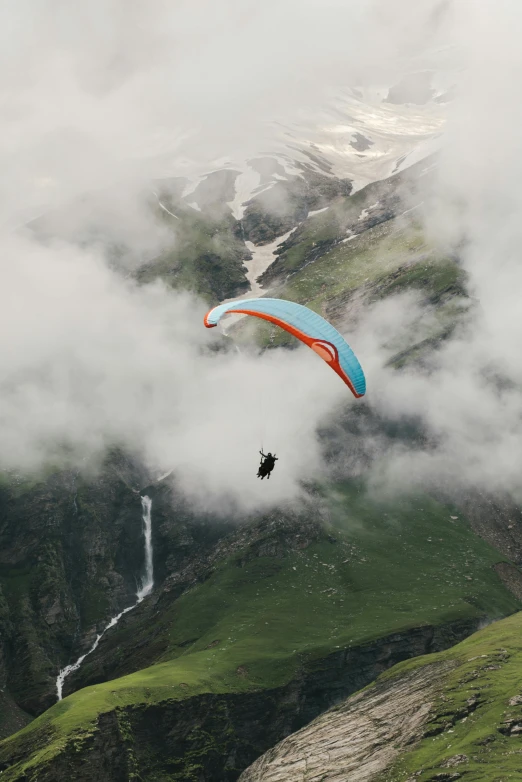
(307, 326)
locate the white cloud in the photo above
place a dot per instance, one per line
(471, 403)
(97, 99)
(90, 360)
(104, 97)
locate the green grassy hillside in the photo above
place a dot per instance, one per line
(205, 256)
(258, 618)
(475, 728)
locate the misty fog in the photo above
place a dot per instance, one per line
(101, 99)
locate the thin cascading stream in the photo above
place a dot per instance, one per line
(145, 589)
(148, 580)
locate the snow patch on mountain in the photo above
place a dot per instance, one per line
(361, 135)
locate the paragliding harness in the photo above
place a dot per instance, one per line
(266, 465)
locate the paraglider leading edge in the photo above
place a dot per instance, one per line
(323, 347)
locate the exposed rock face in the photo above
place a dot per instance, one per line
(360, 142)
(12, 718)
(357, 740)
(497, 520)
(213, 738)
(70, 552)
(511, 576)
(276, 211)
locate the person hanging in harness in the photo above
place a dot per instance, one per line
(267, 464)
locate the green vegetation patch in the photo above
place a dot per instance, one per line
(385, 568)
(436, 276)
(475, 728)
(442, 284)
(379, 568)
(352, 263)
(345, 214)
(281, 207)
(206, 255)
(388, 259)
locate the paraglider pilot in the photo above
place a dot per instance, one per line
(267, 464)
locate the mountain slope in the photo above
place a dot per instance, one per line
(362, 135)
(61, 569)
(448, 716)
(362, 249)
(286, 617)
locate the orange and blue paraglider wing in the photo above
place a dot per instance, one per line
(307, 326)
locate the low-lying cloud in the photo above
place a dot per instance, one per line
(470, 401)
(104, 98)
(97, 101)
(90, 360)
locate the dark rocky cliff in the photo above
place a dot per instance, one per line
(212, 738)
(70, 555)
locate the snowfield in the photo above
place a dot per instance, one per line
(360, 136)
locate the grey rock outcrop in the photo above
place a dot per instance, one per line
(357, 740)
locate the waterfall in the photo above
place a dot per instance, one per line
(145, 589)
(148, 581)
(64, 673)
